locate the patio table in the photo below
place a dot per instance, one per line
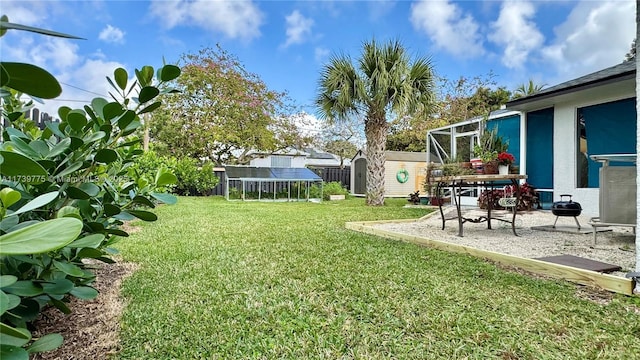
(456, 183)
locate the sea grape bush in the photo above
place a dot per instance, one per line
(193, 179)
(66, 190)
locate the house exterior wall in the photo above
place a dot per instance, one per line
(565, 143)
(296, 161)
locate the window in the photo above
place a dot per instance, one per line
(280, 161)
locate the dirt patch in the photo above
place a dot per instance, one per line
(91, 330)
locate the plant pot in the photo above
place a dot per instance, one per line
(436, 201)
(491, 168)
(476, 164)
(503, 169)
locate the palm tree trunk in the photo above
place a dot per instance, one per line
(376, 132)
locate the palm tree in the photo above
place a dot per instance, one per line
(527, 89)
(383, 82)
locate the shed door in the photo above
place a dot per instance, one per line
(360, 168)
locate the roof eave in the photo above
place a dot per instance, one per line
(518, 103)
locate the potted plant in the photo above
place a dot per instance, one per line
(504, 161)
(490, 144)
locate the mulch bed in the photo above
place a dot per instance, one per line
(91, 330)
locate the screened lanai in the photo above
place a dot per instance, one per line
(272, 184)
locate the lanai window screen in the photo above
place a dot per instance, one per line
(453, 142)
(272, 184)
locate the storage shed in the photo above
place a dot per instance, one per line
(272, 184)
(405, 172)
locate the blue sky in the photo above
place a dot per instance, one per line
(287, 42)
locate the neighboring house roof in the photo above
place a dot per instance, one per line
(283, 152)
(252, 173)
(318, 157)
(620, 72)
(318, 154)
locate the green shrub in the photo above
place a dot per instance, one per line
(65, 191)
(192, 179)
(330, 188)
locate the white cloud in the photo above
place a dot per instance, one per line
(448, 27)
(321, 54)
(298, 28)
(55, 53)
(515, 30)
(81, 84)
(112, 34)
(594, 36)
(235, 19)
(34, 13)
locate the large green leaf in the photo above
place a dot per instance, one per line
(84, 292)
(168, 72)
(57, 287)
(23, 147)
(8, 197)
(68, 268)
(142, 200)
(13, 352)
(110, 209)
(143, 215)
(150, 108)
(7, 25)
(106, 156)
(41, 237)
(46, 343)
(90, 188)
(168, 199)
(21, 333)
(112, 110)
(126, 119)
(147, 93)
(6, 280)
(145, 75)
(23, 288)
(76, 119)
(163, 177)
(69, 169)
(20, 168)
(98, 105)
(59, 148)
(121, 77)
(31, 80)
(38, 202)
(90, 241)
(4, 302)
(75, 193)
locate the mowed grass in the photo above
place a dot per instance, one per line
(238, 280)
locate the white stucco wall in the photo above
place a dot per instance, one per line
(296, 162)
(565, 138)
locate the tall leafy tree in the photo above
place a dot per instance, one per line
(382, 83)
(458, 100)
(224, 112)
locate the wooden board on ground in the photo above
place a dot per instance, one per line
(581, 263)
(568, 229)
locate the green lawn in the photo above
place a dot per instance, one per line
(234, 280)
